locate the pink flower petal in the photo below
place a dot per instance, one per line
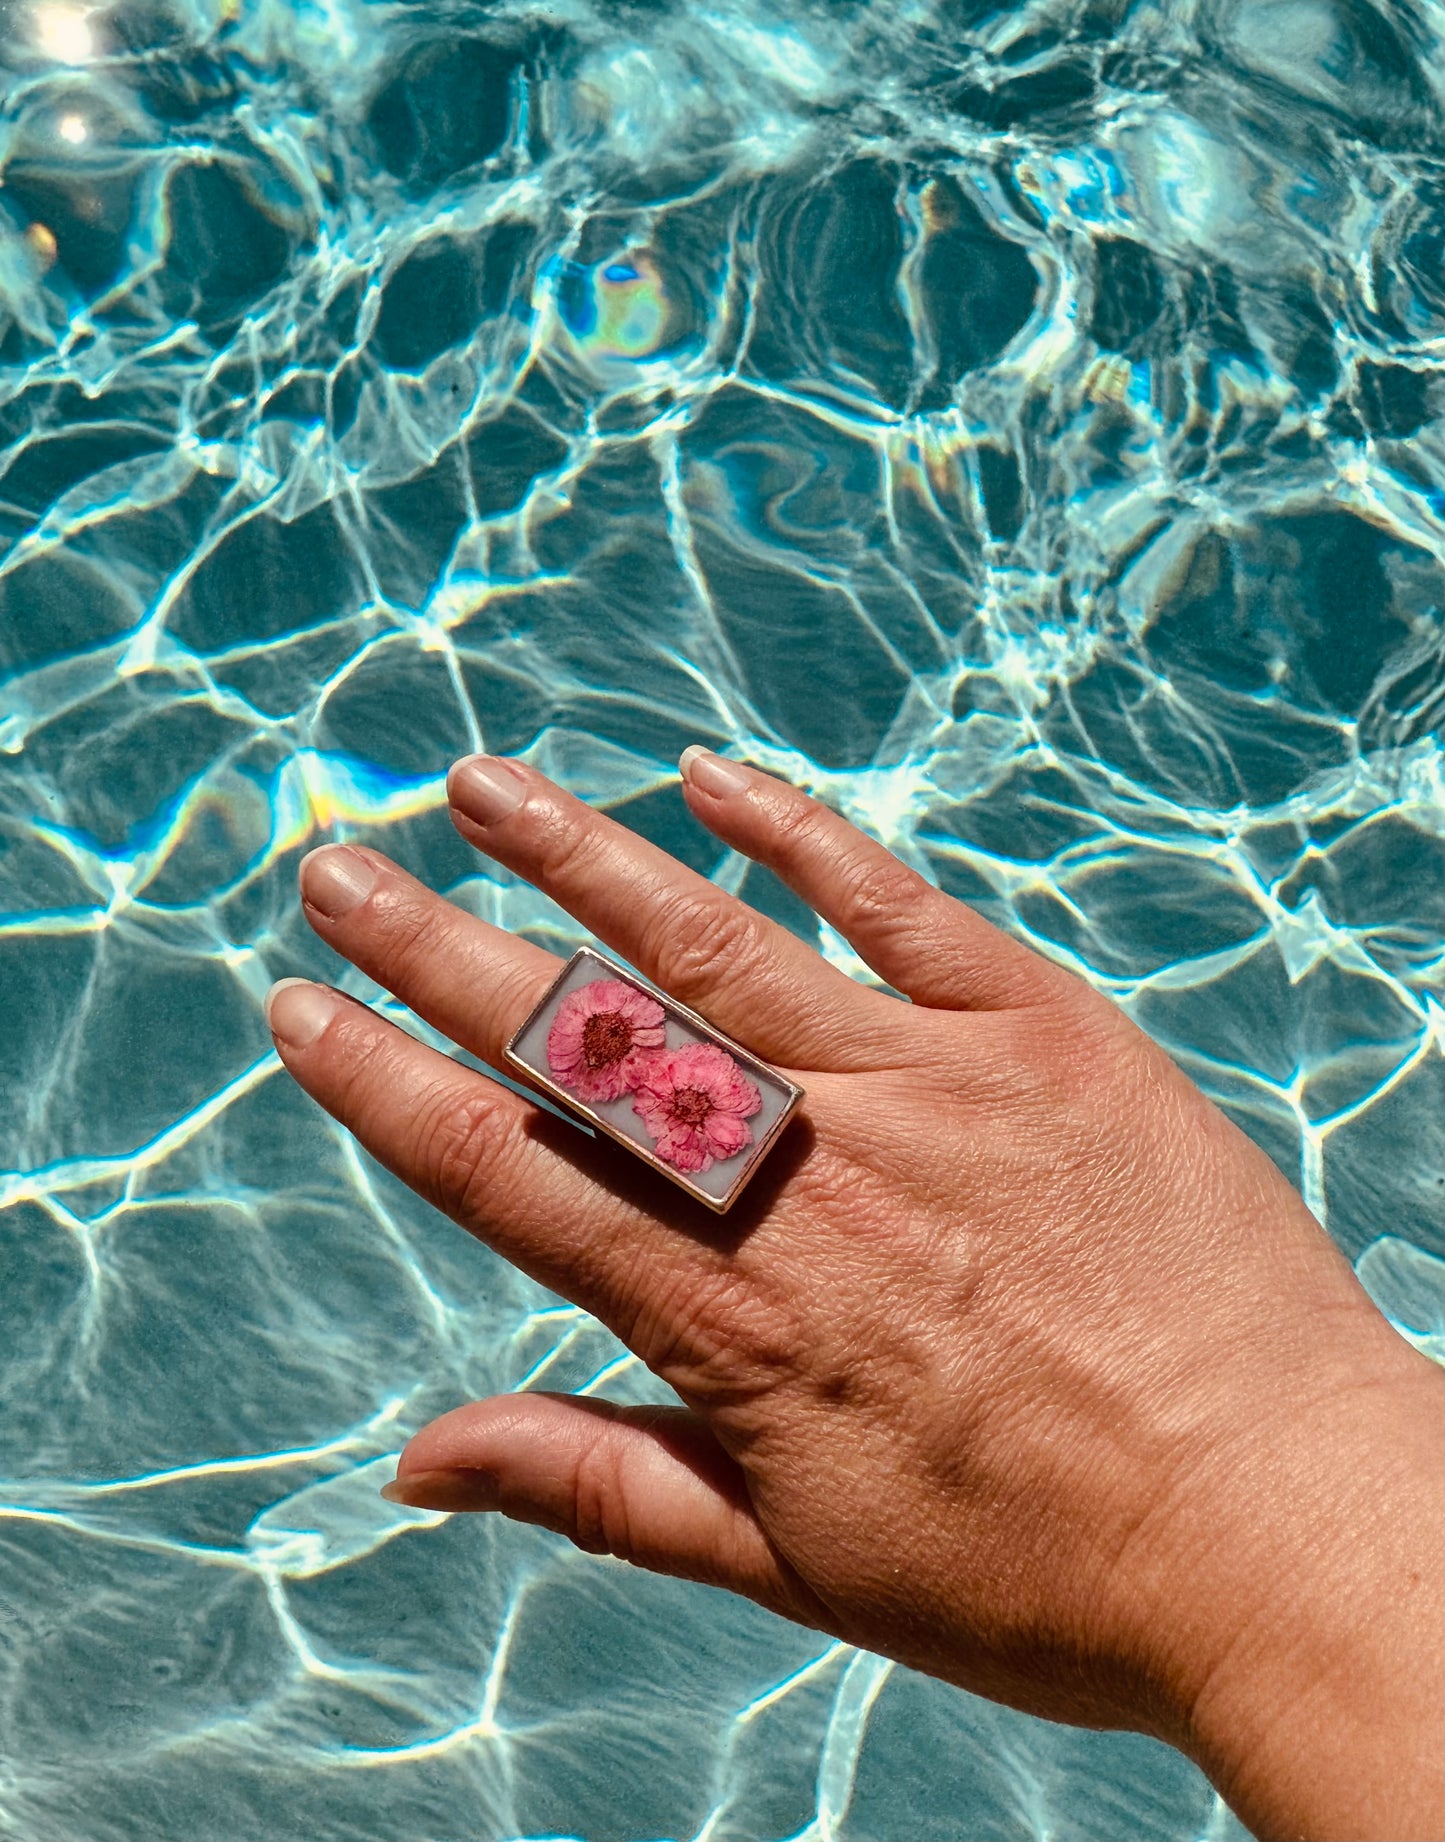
(598, 1085)
(567, 1040)
(727, 1134)
(685, 1148)
(694, 1102)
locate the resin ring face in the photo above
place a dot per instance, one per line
(655, 1076)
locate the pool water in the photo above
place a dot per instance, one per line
(1019, 425)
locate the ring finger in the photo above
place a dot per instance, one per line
(743, 972)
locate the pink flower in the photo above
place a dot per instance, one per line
(695, 1103)
(600, 1036)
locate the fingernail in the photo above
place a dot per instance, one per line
(298, 1011)
(710, 773)
(485, 789)
(444, 1490)
(336, 879)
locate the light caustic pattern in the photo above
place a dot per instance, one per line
(1017, 425)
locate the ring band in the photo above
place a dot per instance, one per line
(655, 1076)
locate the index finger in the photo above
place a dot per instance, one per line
(577, 1214)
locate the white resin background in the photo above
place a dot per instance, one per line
(1018, 425)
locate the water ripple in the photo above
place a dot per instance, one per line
(1020, 426)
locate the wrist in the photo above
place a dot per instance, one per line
(1307, 1648)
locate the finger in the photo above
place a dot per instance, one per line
(932, 948)
(746, 974)
(485, 1156)
(474, 982)
(650, 1485)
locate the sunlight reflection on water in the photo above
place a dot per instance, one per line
(1019, 426)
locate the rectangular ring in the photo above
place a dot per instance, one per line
(655, 1076)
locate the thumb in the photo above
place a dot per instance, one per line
(650, 1485)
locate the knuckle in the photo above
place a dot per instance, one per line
(1046, 1062)
(699, 939)
(802, 827)
(599, 1520)
(359, 1046)
(880, 892)
(460, 1144)
(564, 846)
(873, 888)
(409, 930)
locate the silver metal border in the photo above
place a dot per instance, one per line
(718, 1204)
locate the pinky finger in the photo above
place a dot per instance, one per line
(934, 949)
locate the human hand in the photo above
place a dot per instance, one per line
(1016, 1362)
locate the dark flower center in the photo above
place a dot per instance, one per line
(691, 1105)
(606, 1038)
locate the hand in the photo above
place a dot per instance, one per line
(1016, 1362)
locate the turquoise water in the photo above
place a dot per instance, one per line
(1017, 425)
